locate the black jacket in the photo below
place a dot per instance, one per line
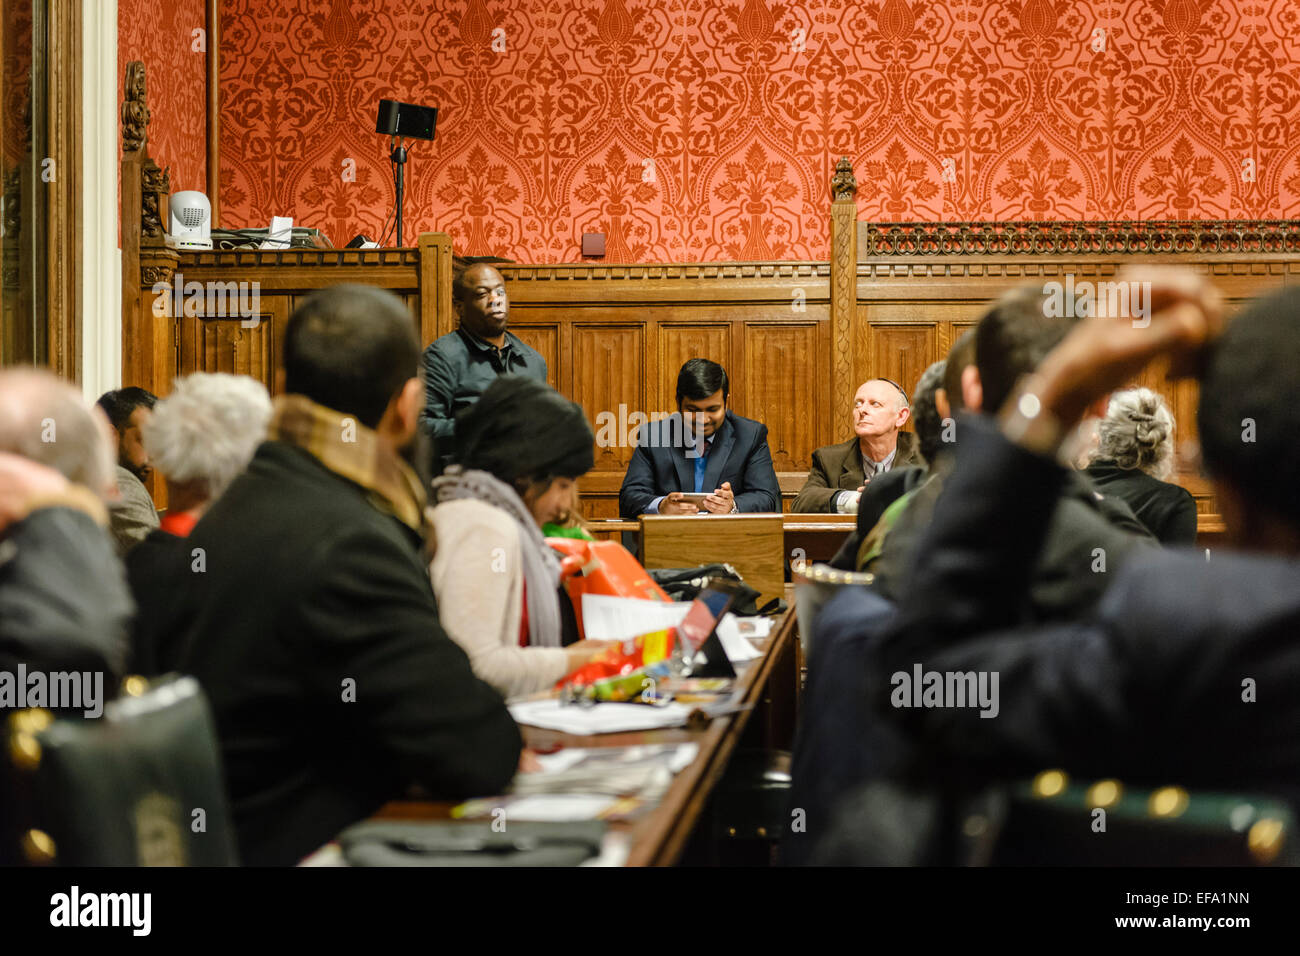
(1168, 510)
(1087, 540)
(64, 606)
(64, 603)
(1152, 689)
(312, 627)
(740, 455)
(159, 555)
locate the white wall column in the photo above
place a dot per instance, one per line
(100, 353)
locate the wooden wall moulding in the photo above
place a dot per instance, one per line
(1148, 237)
(313, 258)
(668, 270)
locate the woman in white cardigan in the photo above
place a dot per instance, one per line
(518, 451)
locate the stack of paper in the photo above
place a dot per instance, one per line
(603, 718)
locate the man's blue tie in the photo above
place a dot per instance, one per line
(700, 464)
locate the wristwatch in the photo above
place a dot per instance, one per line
(1027, 422)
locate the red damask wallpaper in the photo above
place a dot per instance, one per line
(161, 34)
(694, 130)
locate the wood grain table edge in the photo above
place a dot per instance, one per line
(693, 786)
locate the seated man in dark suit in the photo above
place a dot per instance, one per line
(304, 608)
(458, 366)
(1189, 672)
(840, 472)
(703, 447)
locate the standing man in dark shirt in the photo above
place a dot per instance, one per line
(460, 365)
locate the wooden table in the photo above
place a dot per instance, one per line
(658, 836)
(815, 537)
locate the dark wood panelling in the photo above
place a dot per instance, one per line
(901, 351)
(677, 343)
(783, 383)
(609, 383)
(546, 340)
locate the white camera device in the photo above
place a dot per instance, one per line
(191, 221)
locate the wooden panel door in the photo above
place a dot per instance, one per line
(784, 389)
(679, 342)
(546, 340)
(609, 382)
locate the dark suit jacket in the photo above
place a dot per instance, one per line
(314, 632)
(64, 606)
(1168, 510)
(1148, 690)
(740, 455)
(839, 468)
(1085, 533)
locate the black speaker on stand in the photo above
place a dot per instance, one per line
(400, 121)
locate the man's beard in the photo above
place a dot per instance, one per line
(140, 471)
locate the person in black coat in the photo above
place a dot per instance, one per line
(1189, 672)
(1134, 458)
(703, 447)
(304, 607)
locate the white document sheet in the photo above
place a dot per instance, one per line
(605, 718)
(280, 233)
(606, 618)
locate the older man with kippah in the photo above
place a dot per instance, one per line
(840, 472)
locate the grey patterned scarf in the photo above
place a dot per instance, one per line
(541, 564)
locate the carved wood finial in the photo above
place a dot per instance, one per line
(135, 110)
(843, 185)
(156, 186)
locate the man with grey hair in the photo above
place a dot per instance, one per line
(63, 597)
(840, 472)
(199, 438)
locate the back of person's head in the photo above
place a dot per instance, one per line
(205, 432)
(45, 419)
(925, 417)
(1137, 433)
(700, 378)
(523, 432)
(351, 348)
(960, 357)
(120, 404)
(1014, 337)
(1249, 416)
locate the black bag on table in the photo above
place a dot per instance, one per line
(685, 584)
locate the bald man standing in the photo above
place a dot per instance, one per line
(840, 472)
(460, 365)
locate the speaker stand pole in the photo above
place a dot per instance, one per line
(399, 160)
